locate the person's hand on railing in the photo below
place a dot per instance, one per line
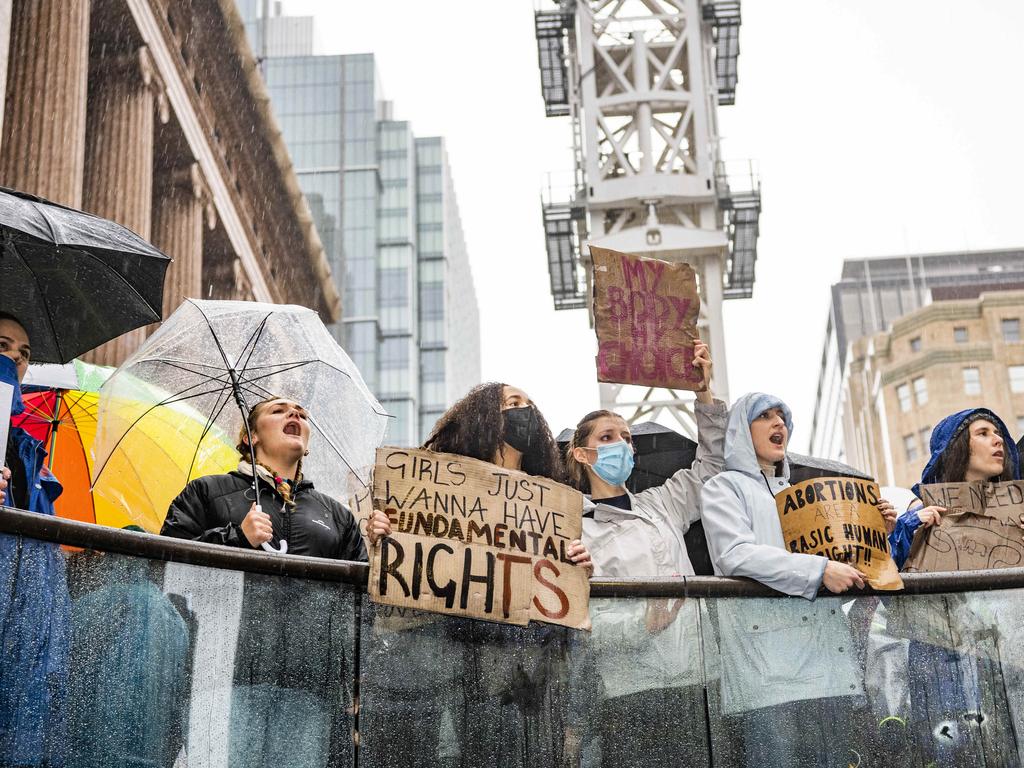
(839, 577)
(659, 615)
(5, 475)
(580, 556)
(257, 526)
(930, 515)
(888, 514)
(377, 527)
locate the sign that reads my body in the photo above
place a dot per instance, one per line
(838, 518)
(473, 539)
(979, 529)
(645, 316)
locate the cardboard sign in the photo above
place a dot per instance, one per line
(837, 518)
(473, 539)
(645, 315)
(979, 528)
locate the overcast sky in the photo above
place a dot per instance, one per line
(880, 127)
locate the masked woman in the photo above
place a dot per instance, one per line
(647, 651)
(514, 707)
(956, 716)
(292, 663)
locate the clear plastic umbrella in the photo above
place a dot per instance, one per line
(218, 359)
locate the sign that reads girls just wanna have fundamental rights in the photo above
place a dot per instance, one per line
(645, 316)
(474, 539)
(838, 518)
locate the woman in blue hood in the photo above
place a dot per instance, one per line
(953, 720)
(969, 446)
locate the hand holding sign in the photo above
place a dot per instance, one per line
(840, 518)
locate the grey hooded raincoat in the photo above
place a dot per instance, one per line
(773, 651)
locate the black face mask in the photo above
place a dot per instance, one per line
(522, 428)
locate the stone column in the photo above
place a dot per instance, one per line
(179, 210)
(123, 96)
(43, 146)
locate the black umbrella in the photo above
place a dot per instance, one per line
(74, 280)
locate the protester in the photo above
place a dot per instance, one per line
(789, 677)
(646, 651)
(955, 714)
(290, 706)
(34, 601)
(220, 509)
(973, 445)
(509, 696)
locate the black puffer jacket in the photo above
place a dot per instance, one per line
(212, 508)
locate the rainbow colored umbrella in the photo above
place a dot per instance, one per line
(65, 420)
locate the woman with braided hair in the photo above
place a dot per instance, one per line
(290, 706)
(220, 509)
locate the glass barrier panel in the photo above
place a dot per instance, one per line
(924, 680)
(442, 691)
(125, 661)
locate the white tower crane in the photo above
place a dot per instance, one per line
(641, 81)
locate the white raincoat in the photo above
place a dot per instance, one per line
(773, 650)
(646, 542)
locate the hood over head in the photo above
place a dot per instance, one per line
(739, 447)
(9, 375)
(949, 428)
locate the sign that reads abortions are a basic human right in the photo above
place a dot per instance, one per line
(645, 316)
(838, 518)
(474, 539)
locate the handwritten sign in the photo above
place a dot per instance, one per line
(979, 528)
(837, 518)
(645, 315)
(473, 539)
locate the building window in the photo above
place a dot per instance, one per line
(1011, 329)
(1016, 378)
(1020, 425)
(926, 436)
(921, 390)
(903, 393)
(910, 446)
(915, 344)
(960, 335)
(972, 381)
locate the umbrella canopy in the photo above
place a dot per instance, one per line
(74, 280)
(218, 358)
(66, 422)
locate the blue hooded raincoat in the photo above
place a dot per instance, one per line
(902, 537)
(35, 617)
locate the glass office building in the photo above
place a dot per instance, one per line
(384, 205)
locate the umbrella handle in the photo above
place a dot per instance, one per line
(270, 547)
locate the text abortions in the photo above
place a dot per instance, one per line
(645, 315)
(837, 518)
(473, 539)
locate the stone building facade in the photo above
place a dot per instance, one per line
(949, 355)
(152, 113)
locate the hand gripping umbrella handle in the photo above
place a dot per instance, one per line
(270, 547)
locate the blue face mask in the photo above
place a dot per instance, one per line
(614, 462)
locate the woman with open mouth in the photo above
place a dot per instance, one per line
(952, 722)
